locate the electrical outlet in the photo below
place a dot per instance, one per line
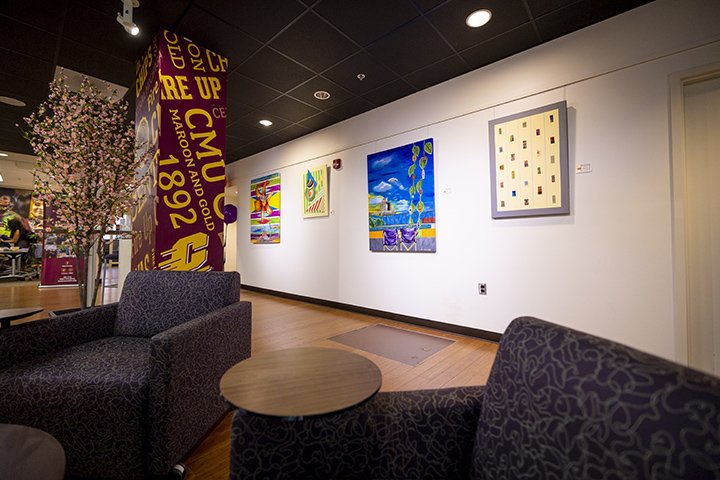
(482, 289)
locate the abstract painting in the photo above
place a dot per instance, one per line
(529, 163)
(401, 198)
(315, 193)
(265, 209)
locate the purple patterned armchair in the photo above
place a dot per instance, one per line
(129, 388)
(559, 404)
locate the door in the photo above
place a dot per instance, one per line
(702, 221)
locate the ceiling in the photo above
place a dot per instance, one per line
(280, 52)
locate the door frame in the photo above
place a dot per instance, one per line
(677, 83)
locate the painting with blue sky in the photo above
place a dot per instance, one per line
(401, 198)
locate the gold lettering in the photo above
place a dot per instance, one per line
(197, 111)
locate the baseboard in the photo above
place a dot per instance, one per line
(422, 322)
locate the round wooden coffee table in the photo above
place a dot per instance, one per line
(300, 382)
(9, 314)
(27, 453)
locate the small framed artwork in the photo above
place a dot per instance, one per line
(315, 192)
(265, 209)
(529, 171)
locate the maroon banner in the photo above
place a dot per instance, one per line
(59, 266)
(147, 132)
(189, 160)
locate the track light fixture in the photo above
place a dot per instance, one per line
(126, 19)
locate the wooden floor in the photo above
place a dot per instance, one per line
(281, 323)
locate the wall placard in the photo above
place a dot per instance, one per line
(529, 163)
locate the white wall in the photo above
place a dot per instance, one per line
(606, 268)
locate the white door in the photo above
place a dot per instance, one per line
(702, 222)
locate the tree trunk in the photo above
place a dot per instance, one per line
(82, 268)
(98, 271)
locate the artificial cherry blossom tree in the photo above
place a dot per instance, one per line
(87, 168)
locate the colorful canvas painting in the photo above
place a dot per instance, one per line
(265, 209)
(401, 198)
(315, 193)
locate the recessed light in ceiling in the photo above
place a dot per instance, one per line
(478, 18)
(361, 76)
(12, 101)
(321, 95)
(265, 123)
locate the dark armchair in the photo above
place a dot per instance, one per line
(131, 387)
(559, 404)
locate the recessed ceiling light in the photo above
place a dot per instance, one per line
(321, 95)
(265, 123)
(12, 101)
(361, 76)
(478, 18)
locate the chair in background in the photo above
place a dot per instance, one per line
(129, 388)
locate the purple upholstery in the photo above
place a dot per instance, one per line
(564, 404)
(126, 407)
(394, 435)
(144, 311)
(92, 394)
(559, 404)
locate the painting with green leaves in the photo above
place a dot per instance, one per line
(401, 198)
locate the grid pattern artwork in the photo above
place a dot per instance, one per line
(529, 163)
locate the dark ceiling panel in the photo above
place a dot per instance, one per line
(306, 91)
(34, 88)
(252, 121)
(261, 19)
(500, 47)
(580, 15)
(313, 43)
(89, 26)
(26, 11)
(410, 48)
(292, 132)
(438, 72)
(389, 92)
(236, 110)
(89, 61)
(150, 16)
(214, 34)
(353, 107)
(426, 5)
(289, 109)
(346, 74)
(367, 20)
(450, 20)
(24, 66)
(27, 40)
(319, 121)
(274, 70)
(280, 51)
(249, 92)
(541, 7)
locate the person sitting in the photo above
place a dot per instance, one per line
(21, 235)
